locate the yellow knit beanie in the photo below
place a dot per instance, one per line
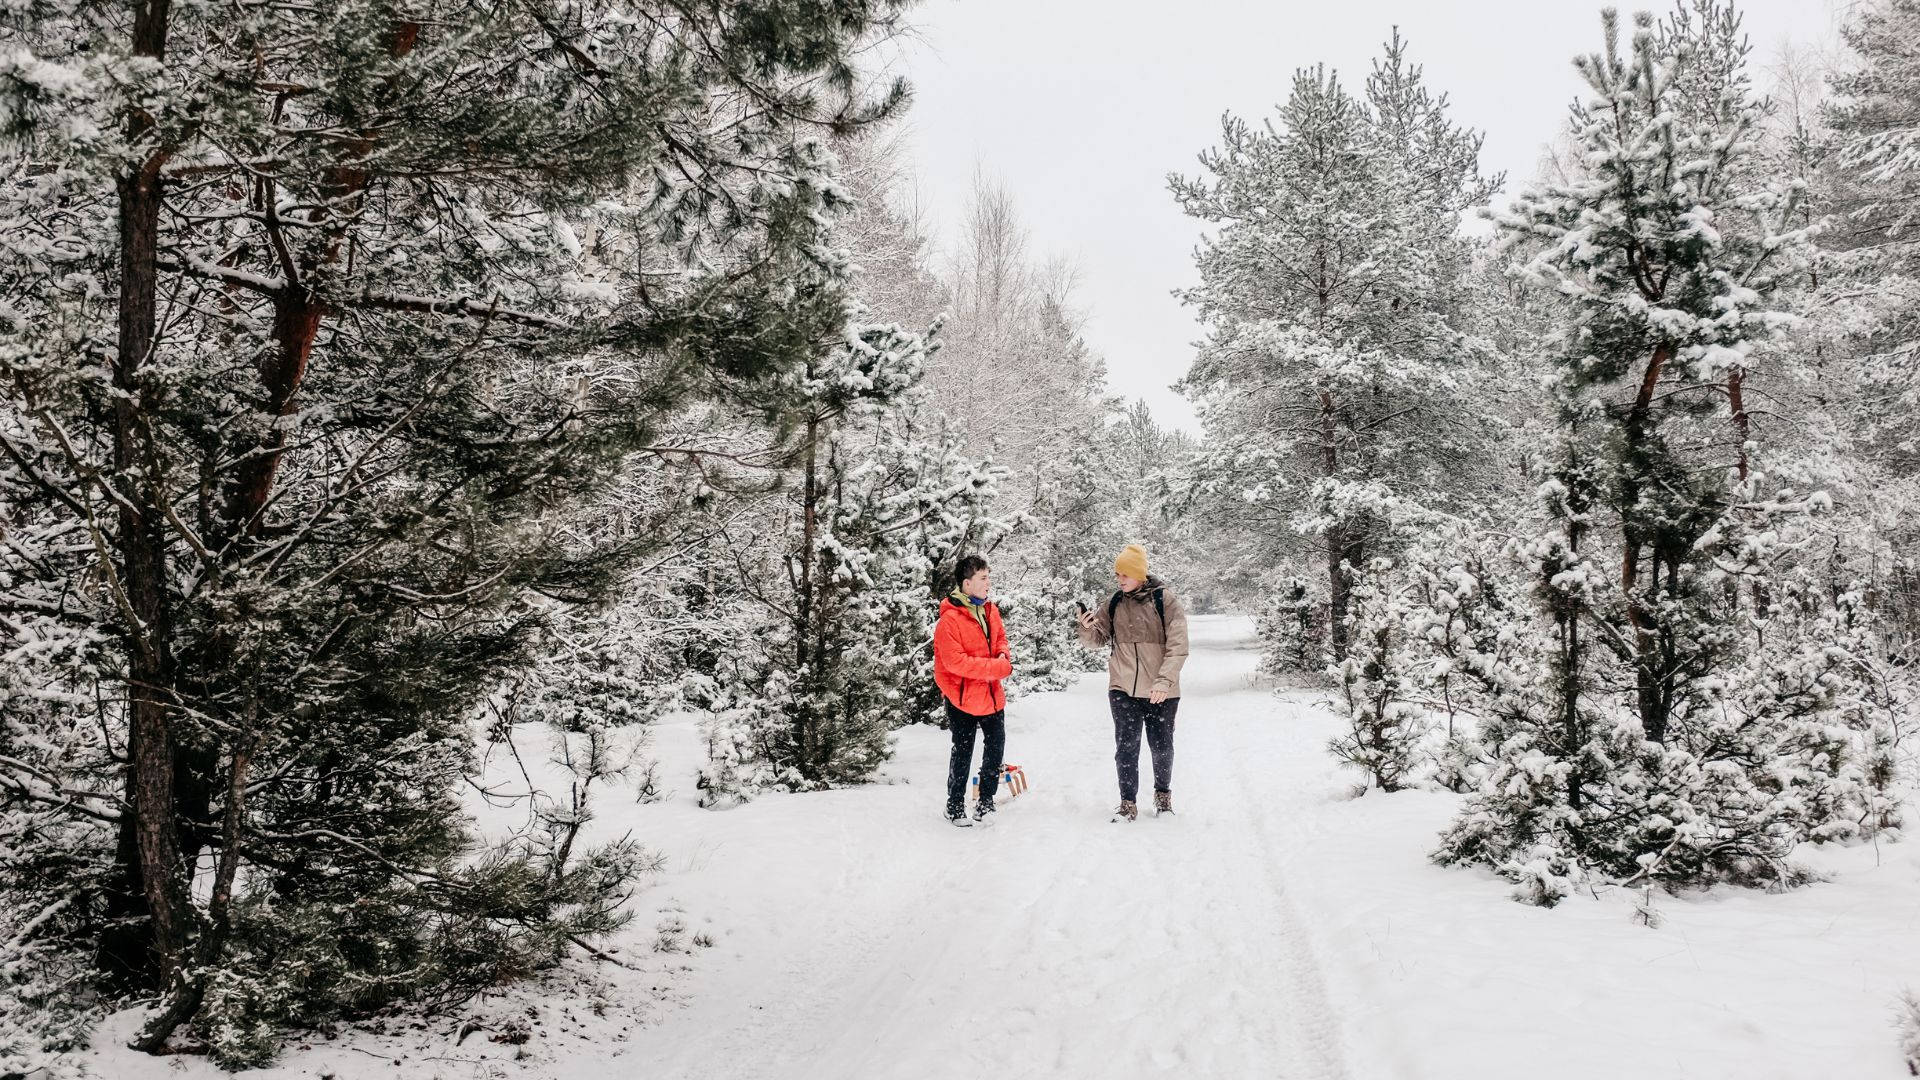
(1132, 561)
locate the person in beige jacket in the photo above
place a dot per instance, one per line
(1146, 626)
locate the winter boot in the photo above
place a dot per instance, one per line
(957, 815)
(1162, 803)
(983, 813)
(1126, 812)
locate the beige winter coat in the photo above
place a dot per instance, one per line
(1146, 655)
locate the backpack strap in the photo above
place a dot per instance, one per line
(1159, 608)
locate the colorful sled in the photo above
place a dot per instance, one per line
(1013, 781)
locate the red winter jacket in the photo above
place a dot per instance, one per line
(968, 664)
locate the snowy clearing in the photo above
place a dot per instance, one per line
(1275, 927)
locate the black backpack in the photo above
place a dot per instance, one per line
(1159, 607)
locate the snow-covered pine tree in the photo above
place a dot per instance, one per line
(1875, 116)
(886, 236)
(1428, 626)
(1386, 720)
(945, 503)
(1906, 1022)
(1645, 741)
(1869, 304)
(303, 358)
(1841, 375)
(1332, 294)
(1292, 628)
(1669, 296)
(879, 511)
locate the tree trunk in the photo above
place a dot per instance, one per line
(298, 314)
(1567, 612)
(1337, 595)
(1338, 542)
(809, 525)
(1743, 433)
(191, 989)
(149, 850)
(1572, 729)
(1737, 406)
(1651, 661)
(296, 323)
(1636, 536)
(810, 581)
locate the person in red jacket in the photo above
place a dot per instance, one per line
(970, 657)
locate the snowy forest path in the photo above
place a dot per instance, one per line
(861, 936)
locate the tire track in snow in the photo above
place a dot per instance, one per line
(1232, 704)
(1321, 1042)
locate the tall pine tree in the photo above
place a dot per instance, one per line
(1335, 368)
(304, 358)
(1634, 733)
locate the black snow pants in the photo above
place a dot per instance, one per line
(1130, 715)
(993, 729)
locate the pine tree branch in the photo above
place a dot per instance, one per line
(53, 489)
(274, 287)
(55, 793)
(270, 287)
(463, 306)
(598, 955)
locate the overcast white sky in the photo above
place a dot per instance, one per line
(1081, 108)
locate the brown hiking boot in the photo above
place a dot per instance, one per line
(1163, 802)
(1126, 812)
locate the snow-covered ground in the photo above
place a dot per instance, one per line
(1275, 927)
